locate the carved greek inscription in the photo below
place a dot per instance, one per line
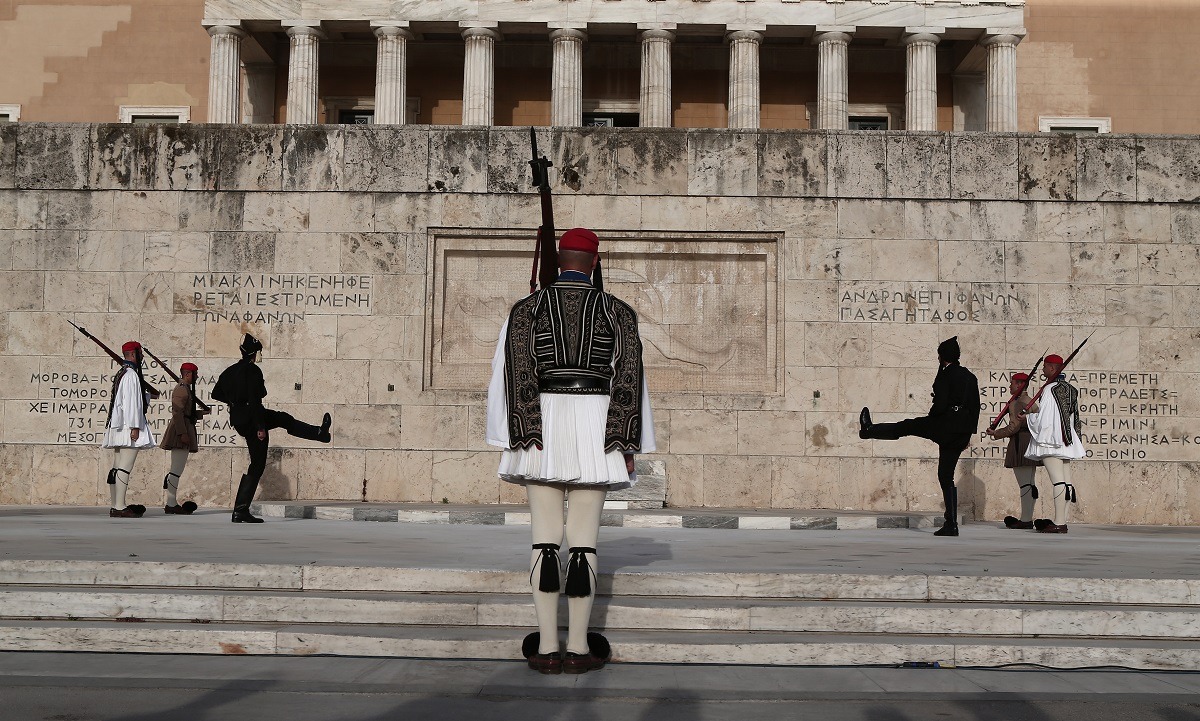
(277, 298)
(866, 302)
(71, 408)
(1125, 416)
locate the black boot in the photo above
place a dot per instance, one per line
(241, 503)
(864, 423)
(950, 526)
(241, 514)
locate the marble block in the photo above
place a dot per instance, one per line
(585, 160)
(314, 158)
(721, 162)
(792, 164)
(251, 158)
(1048, 167)
(1167, 170)
(8, 155)
(651, 162)
(53, 156)
(1107, 167)
(737, 481)
(857, 165)
(464, 477)
(507, 148)
(202, 211)
(239, 252)
(984, 166)
(918, 165)
(389, 159)
(185, 157)
(122, 157)
(458, 160)
(399, 476)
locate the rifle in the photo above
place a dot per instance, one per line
(203, 406)
(996, 421)
(545, 250)
(1064, 367)
(112, 354)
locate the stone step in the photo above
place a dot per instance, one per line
(800, 586)
(626, 514)
(620, 613)
(682, 647)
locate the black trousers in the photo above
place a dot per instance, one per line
(950, 449)
(258, 448)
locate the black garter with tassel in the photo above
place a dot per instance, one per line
(579, 573)
(548, 580)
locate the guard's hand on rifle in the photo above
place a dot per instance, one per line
(154, 394)
(262, 435)
(629, 463)
(133, 434)
(1031, 408)
(991, 432)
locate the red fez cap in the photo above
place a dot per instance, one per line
(1020, 376)
(188, 367)
(579, 239)
(131, 345)
(1055, 359)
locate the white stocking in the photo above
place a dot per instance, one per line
(583, 528)
(1024, 476)
(123, 464)
(1059, 471)
(546, 518)
(179, 459)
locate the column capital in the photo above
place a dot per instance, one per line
(745, 36)
(392, 31)
(235, 30)
(921, 38)
(657, 34)
(478, 31)
(568, 34)
(834, 34)
(299, 29)
(1001, 38)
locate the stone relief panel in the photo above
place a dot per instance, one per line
(708, 305)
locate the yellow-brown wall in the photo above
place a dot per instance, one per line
(79, 61)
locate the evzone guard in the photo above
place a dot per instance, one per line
(242, 388)
(1017, 433)
(568, 404)
(127, 430)
(952, 421)
(1056, 438)
(180, 436)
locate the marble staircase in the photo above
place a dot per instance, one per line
(677, 617)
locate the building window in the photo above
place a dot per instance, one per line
(147, 114)
(361, 110)
(1076, 125)
(10, 113)
(610, 120)
(868, 122)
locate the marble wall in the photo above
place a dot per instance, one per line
(784, 280)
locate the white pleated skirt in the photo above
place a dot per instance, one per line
(572, 450)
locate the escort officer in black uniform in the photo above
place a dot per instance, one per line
(241, 386)
(952, 421)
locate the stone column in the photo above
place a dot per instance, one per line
(655, 100)
(920, 94)
(479, 76)
(744, 88)
(566, 91)
(833, 100)
(303, 67)
(225, 74)
(391, 74)
(1001, 82)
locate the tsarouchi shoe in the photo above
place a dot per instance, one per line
(126, 512)
(1017, 523)
(184, 509)
(1040, 523)
(1051, 528)
(548, 663)
(581, 663)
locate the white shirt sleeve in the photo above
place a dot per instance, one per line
(497, 400)
(647, 443)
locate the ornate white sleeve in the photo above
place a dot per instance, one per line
(497, 401)
(648, 445)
